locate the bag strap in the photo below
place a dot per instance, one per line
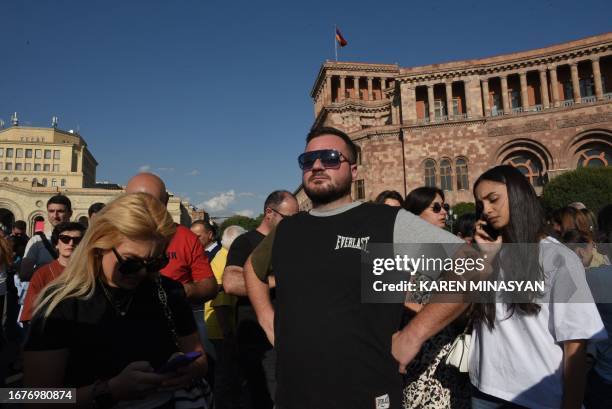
(47, 245)
(163, 299)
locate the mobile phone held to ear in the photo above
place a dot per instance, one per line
(179, 361)
(490, 230)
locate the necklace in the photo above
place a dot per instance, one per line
(120, 309)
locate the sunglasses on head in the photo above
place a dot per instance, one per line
(64, 238)
(330, 159)
(134, 265)
(437, 207)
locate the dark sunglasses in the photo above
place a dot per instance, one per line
(278, 213)
(437, 207)
(64, 238)
(134, 265)
(330, 159)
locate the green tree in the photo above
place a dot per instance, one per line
(247, 223)
(591, 186)
(462, 208)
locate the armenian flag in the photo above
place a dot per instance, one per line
(340, 39)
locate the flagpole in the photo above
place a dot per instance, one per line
(336, 42)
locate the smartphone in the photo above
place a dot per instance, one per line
(490, 230)
(178, 362)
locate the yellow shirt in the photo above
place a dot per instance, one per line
(222, 299)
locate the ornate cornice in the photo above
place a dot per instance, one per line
(359, 106)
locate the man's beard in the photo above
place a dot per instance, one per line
(329, 193)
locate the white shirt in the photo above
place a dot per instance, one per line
(521, 359)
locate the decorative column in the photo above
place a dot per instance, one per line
(524, 94)
(468, 101)
(544, 89)
(597, 78)
(449, 99)
(430, 103)
(356, 87)
(328, 89)
(370, 95)
(342, 95)
(554, 85)
(485, 96)
(575, 82)
(504, 91)
(383, 85)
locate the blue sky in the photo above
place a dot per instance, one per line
(214, 95)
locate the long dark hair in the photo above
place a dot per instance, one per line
(420, 198)
(526, 226)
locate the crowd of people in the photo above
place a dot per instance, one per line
(136, 311)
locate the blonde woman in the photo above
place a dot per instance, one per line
(109, 323)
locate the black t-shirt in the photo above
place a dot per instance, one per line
(102, 343)
(333, 350)
(248, 329)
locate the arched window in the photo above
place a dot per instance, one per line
(63, 182)
(446, 175)
(6, 179)
(15, 179)
(44, 182)
(529, 165)
(595, 156)
(53, 182)
(430, 173)
(34, 182)
(461, 170)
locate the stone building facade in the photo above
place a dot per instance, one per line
(544, 111)
(37, 163)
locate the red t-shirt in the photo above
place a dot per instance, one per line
(43, 276)
(188, 262)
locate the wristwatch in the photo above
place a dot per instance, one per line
(101, 396)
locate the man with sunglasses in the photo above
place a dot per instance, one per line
(333, 350)
(65, 237)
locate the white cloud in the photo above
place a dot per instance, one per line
(246, 212)
(144, 168)
(219, 202)
(194, 172)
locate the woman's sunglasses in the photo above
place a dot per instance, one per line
(132, 266)
(330, 159)
(64, 238)
(437, 207)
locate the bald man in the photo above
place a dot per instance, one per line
(188, 262)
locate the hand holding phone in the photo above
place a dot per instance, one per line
(179, 361)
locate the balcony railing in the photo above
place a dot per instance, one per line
(567, 103)
(589, 100)
(608, 96)
(517, 110)
(499, 112)
(537, 108)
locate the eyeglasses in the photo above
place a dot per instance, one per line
(133, 265)
(66, 239)
(279, 213)
(330, 159)
(437, 207)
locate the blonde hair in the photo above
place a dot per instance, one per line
(135, 216)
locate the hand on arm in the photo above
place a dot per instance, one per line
(233, 281)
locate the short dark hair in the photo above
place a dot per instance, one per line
(466, 224)
(65, 226)
(61, 200)
(420, 198)
(207, 225)
(389, 194)
(275, 198)
(328, 130)
(20, 224)
(95, 208)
